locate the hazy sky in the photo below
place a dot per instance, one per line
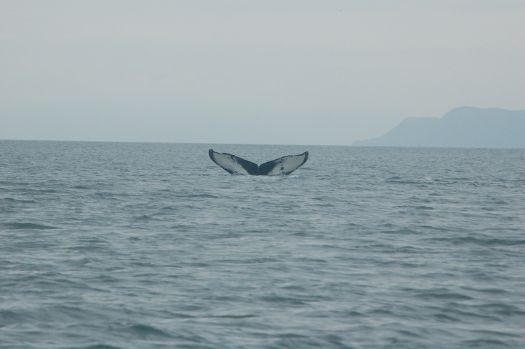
(272, 71)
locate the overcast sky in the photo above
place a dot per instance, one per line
(272, 71)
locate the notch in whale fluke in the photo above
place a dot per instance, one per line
(236, 165)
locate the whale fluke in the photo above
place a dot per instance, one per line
(236, 165)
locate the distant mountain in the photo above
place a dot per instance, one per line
(467, 127)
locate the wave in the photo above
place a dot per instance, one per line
(27, 226)
(99, 346)
(438, 293)
(485, 343)
(80, 186)
(146, 331)
(199, 196)
(481, 241)
(233, 316)
(23, 201)
(143, 217)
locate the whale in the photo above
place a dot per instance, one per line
(238, 166)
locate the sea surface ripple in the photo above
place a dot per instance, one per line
(128, 245)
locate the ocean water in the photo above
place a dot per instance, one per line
(123, 245)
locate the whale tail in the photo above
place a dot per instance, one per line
(236, 165)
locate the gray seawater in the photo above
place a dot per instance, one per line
(115, 245)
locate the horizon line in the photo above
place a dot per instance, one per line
(261, 144)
